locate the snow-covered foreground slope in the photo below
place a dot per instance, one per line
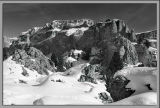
(59, 88)
(147, 98)
(139, 78)
(14, 73)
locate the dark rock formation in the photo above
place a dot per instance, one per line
(111, 37)
(91, 73)
(34, 60)
(84, 78)
(71, 58)
(105, 98)
(145, 42)
(116, 54)
(146, 35)
(117, 88)
(22, 81)
(38, 102)
(95, 55)
(133, 37)
(6, 53)
(146, 56)
(126, 50)
(25, 73)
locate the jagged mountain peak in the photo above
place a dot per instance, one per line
(60, 36)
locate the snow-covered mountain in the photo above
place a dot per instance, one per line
(80, 62)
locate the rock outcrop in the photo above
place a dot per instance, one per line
(147, 56)
(112, 38)
(105, 98)
(117, 88)
(6, 53)
(130, 81)
(91, 73)
(146, 35)
(33, 59)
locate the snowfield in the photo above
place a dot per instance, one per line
(70, 59)
(147, 98)
(56, 89)
(63, 88)
(75, 31)
(140, 77)
(56, 29)
(13, 74)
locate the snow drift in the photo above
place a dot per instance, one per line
(58, 89)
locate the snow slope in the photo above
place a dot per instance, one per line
(75, 31)
(13, 74)
(147, 98)
(57, 88)
(70, 59)
(140, 77)
(64, 89)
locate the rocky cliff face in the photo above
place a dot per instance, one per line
(91, 73)
(146, 48)
(59, 36)
(33, 59)
(150, 35)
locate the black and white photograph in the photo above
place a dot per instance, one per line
(80, 53)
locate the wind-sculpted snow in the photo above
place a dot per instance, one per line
(147, 98)
(76, 31)
(58, 89)
(64, 89)
(142, 79)
(15, 73)
(131, 81)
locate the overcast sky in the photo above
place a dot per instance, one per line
(20, 17)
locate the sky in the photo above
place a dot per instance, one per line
(19, 17)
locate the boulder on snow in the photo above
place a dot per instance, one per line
(84, 78)
(38, 102)
(105, 98)
(25, 73)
